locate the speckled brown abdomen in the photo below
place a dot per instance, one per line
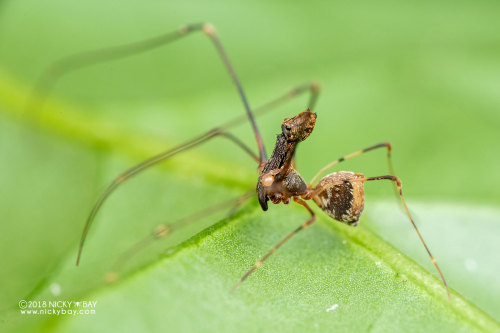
(344, 201)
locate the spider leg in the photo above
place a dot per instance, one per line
(165, 230)
(356, 153)
(399, 185)
(79, 60)
(283, 241)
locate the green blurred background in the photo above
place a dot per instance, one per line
(423, 75)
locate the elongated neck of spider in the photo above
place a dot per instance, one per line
(295, 130)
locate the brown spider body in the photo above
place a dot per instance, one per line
(344, 202)
(339, 194)
(279, 181)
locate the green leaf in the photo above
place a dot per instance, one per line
(418, 75)
(329, 266)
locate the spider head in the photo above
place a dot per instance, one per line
(298, 128)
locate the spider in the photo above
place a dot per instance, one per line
(339, 194)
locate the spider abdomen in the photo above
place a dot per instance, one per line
(340, 198)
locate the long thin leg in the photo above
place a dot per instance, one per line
(165, 230)
(188, 145)
(210, 31)
(240, 201)
(147, 164)
(356, 153)
(398, 183)
(277, 246)
(70, 63)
